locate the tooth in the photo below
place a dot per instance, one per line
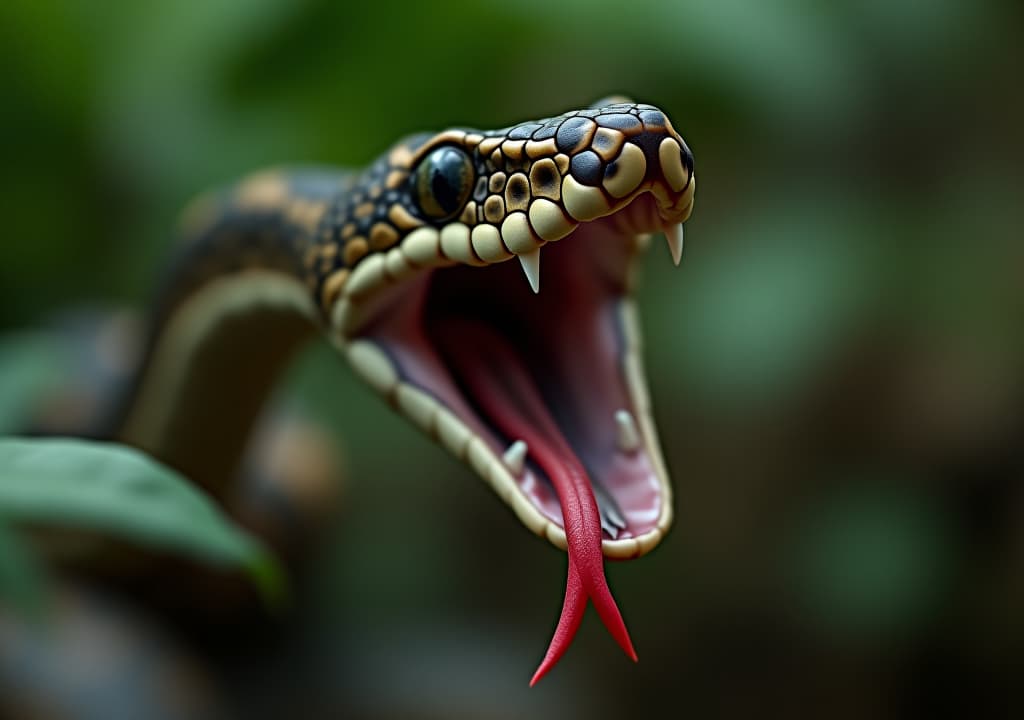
(515, 457)
(629, 438)
(612, 521)
(674, 235)
(531, 266)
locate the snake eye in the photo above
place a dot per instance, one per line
(443, 181)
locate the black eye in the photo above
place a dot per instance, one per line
(443, 181)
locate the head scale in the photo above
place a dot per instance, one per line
(480, 197)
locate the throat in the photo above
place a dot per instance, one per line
(501, 387)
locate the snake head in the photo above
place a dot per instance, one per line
(431, 314)
(542, 393)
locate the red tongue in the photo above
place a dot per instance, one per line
(503, 389)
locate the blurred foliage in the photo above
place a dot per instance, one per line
(118, 491)
(873, 560)
(29, 364)
(22, 585)
(850, 297)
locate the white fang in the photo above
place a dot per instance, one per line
(674, 235)
(629, 438)
(515, 457)
(531, 266)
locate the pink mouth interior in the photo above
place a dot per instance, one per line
(489, 367)
(546, 369)
(567, 337)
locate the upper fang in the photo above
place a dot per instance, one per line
(674, 235)
(531, 266)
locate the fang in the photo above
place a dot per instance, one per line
(674, 236)
(515, 457)
(629, 438)
(531, 266)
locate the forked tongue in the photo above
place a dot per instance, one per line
(494, 375)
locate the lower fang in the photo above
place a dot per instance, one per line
(515, 457)
(628, 437)
(612, 521)
(674, 236)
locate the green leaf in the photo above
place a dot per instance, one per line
(22, 582)
(120, 491)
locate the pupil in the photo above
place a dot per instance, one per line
(446, 179)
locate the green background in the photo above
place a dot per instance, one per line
(837, 367)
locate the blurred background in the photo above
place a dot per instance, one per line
(837, 367)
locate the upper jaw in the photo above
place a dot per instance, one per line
(372, 283)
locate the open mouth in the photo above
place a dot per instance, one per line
(512, 377)
(531, 371)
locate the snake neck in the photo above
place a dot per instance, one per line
(240, 299)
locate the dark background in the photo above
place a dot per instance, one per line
(837, 367)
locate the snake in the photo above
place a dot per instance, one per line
(424, 272)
